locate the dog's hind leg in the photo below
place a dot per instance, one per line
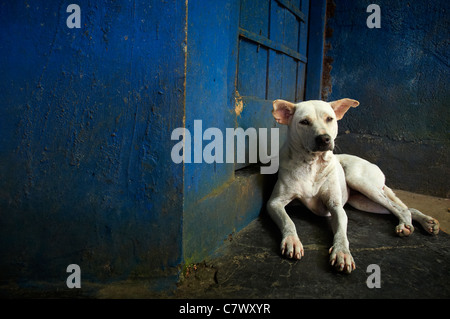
(367, 179)
(361, 202)
(376, 200)
(389, 200)
(430, 224)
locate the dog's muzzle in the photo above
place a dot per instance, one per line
(324, 142)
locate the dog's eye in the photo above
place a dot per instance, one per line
(304, 122)
(329, 119)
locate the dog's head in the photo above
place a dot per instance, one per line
(313, 124)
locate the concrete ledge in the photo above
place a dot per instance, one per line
(419, 166)
(225, 211)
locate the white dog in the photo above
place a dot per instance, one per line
(324, 182)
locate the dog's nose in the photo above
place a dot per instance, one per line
(323, 140)
(324, 143)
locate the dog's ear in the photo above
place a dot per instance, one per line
(283, 111)
(340, 107)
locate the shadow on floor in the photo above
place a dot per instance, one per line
(250, 266)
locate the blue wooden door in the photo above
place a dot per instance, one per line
(272, 49)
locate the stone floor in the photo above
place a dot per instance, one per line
(249, 264)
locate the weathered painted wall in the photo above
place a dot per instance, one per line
(85, 122)
(400, 74)
(86, 117)
(217, 201)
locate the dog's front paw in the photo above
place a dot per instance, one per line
(342, 259)
(291, 247)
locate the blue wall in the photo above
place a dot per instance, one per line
(210, 97)
(86, 117)
(400, 74)
(85, 122)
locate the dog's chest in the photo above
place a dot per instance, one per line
(307, 180)
(307, 185)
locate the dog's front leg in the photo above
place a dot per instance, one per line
(291, 246)
(340, 256)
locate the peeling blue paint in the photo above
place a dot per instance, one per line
(86, 117)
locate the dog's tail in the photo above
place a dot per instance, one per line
(391, 195)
